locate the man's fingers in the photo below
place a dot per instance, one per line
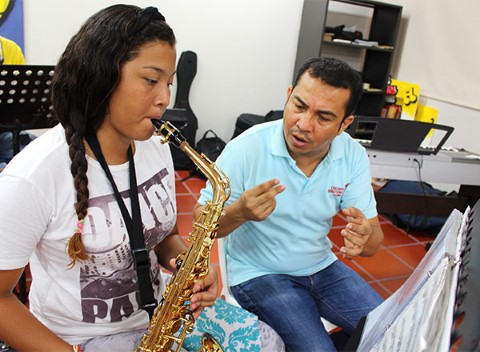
(270, 194)
(265, 187)
(266, 208)
(352, 213)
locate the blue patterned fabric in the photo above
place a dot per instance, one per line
(233, 327)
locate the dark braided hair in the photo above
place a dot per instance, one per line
(85, 78)
(336, 73)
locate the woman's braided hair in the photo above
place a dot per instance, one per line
(85, 77)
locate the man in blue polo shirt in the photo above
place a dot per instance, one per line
(289, 178)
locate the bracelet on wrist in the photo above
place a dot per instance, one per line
(77, 348)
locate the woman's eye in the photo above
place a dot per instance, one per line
(151, 81)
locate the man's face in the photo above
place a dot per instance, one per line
(313, 117)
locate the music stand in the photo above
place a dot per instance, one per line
(25, 99)
(24, 105)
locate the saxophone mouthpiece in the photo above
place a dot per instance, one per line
(157, 123)
(169, 132)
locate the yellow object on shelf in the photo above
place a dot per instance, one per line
(407, 95)
(426, 114)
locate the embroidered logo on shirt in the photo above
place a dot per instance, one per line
(337, 191)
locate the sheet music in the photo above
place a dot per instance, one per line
(402, 321)
(451, 287)
(409, 332)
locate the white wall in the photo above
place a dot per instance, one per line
(245, 49)
(246, 53)
(434, 52)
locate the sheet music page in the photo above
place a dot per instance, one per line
(383, 317)
(451, 287)
(412, 330)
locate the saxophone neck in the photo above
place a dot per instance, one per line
(219, 181)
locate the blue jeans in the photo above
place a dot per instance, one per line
(293, 305)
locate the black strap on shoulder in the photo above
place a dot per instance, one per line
(134, 225)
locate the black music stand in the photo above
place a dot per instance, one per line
(24, 105)
(25, 99)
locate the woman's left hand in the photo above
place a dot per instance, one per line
(205, 292)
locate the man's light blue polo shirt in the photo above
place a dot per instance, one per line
(293, 239)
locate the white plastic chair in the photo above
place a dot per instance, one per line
(227, 295)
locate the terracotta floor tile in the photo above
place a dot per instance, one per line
(185, 203)
(393, 284)
(185, 223)
(383, 219)
(384, 265)
(422, 236)
(411, 254)
(214, 254)
(339, 221)
(336, 238)
(180, 188)
(394, 236)
(195, 185)
(181, 174)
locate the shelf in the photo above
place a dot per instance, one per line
(373, 62)
(358, 46)
(367, 3)
(373, 91)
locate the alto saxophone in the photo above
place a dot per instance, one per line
(173, 319)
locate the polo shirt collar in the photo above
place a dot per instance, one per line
(337, 149)
(277, 141)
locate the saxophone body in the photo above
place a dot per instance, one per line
(173, 319)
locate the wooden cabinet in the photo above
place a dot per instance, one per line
(378, 22)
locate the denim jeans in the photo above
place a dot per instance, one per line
(294, 305)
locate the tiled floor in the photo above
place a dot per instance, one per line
(386, 271)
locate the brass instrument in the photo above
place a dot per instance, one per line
(173, 319)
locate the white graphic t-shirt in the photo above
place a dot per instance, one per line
(37, 201)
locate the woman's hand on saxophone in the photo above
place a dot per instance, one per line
(205, 292)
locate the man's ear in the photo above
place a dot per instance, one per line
(289, 91)
(347, 121)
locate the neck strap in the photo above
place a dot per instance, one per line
(134, 225)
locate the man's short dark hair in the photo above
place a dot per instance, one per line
(336, 73)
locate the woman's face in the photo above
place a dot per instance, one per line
(142, 94)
